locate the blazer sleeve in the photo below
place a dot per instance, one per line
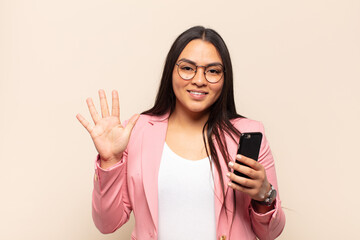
(111, 205)
(269, 225)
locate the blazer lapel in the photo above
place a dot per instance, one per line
(151, 152)
(219, 199)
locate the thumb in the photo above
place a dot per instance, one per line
(129, 127)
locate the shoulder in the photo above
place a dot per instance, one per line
(146, 118)
(247, 125)
(144, 121)
(143, 118)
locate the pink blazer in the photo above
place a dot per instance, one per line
(132, 185)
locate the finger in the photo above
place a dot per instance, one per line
(244, 182)
(94, 114)
(103, 104)
(239, 187)
(249, 162)
(250, 191)
(244, 170)
(129, 127)
(115, 104)
(85, 123)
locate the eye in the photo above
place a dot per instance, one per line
(187, 67)
(214, 70)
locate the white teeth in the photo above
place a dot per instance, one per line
(197, 93)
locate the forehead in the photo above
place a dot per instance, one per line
(201, 52)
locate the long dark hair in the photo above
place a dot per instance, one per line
(221, 112)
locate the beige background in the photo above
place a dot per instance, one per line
(297, 69)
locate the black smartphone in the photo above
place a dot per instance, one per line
(249, 146)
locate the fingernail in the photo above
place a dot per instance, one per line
(228, 174)
(229, 184)
(239, 156)
(231, 164)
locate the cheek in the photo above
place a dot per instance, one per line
(176, 88)
(177, 83)
(217, 90)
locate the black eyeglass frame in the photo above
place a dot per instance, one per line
(210, 65)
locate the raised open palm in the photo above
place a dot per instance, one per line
(109, 136)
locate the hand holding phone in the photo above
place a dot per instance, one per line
(258, 187)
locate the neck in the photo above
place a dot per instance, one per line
(189, 120)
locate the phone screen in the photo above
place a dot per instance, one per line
(249, 146)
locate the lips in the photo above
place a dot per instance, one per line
(198, 93)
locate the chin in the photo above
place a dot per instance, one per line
(194, 107)
(198, 109)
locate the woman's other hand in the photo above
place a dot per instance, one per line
(109, 136)
(256, 186)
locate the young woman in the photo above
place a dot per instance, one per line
(173, 164)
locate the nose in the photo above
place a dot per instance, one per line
(199, 78)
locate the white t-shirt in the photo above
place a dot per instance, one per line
(186, 198)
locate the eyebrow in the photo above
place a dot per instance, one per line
(192, 62)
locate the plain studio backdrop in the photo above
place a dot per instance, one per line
(296, 67)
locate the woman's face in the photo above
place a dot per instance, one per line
(197, 95)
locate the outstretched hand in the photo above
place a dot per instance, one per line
(109, 136)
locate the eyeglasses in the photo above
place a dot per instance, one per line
(213, 72)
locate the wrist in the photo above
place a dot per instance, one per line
(106, 163)
(270, 197)
(262, 209)
(267, 192)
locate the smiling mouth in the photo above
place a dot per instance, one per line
(197, 93)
